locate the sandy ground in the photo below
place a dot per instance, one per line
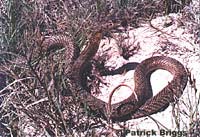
(174, 41)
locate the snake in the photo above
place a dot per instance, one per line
(141, 102)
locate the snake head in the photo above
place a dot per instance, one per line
(127, 108)
(124, 111)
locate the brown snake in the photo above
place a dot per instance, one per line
(129, 108)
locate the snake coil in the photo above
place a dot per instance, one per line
(146, 104)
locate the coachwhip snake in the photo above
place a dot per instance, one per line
(129, 108)
(145, 104)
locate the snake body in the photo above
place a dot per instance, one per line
(146, 104)
(131, 107)
(61, 41)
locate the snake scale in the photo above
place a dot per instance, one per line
(130, 108)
